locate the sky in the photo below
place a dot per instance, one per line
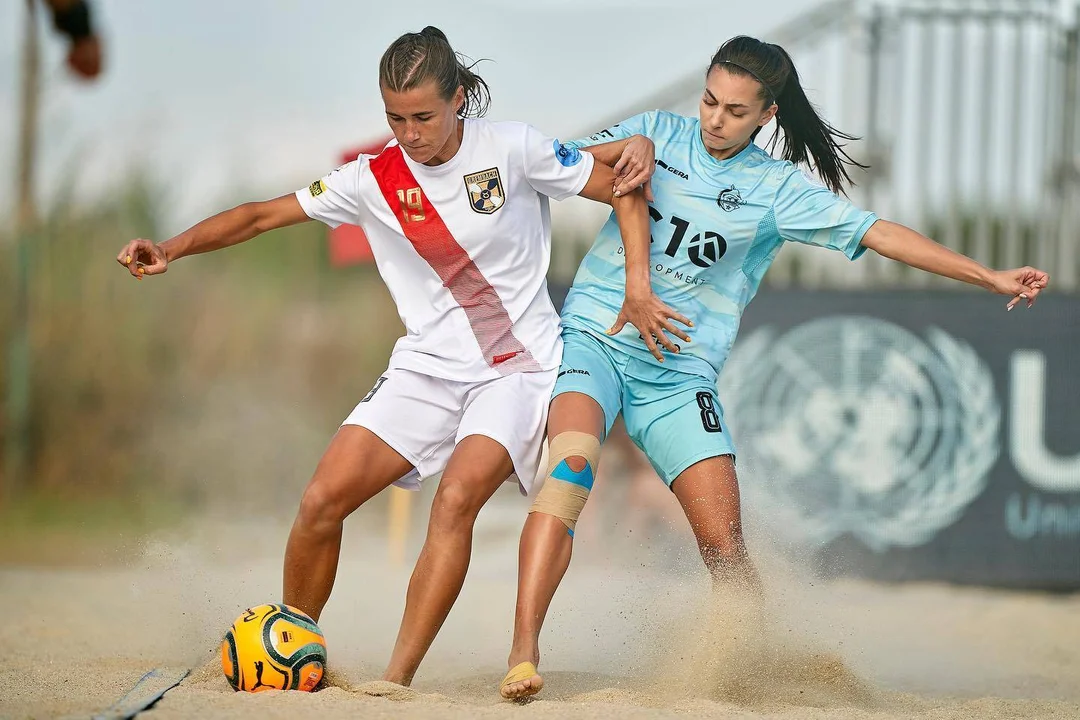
(230, 100)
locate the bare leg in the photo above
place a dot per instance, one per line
(730, 641)
(475, 471)
(355, 467)
(545, 549)
(709, 494)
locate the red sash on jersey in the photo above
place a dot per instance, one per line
(433, 241)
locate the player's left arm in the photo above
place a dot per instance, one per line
(641, 308)
(807, 212)
(905, 245)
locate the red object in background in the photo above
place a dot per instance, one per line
(348, 243)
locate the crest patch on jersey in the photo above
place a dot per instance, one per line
(568, 155)
(730, 199)
(317, 188)
(485, 191)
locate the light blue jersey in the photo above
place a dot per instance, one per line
(716, 227)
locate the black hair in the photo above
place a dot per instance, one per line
(415, 58)
(806, 134)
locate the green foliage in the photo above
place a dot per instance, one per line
(241, 361)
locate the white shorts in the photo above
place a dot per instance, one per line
(423, 418)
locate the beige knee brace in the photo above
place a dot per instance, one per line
(564, 492)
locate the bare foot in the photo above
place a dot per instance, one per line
(521, 682)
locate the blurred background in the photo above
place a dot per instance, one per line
(889, 426)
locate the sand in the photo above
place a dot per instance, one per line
(634, 632)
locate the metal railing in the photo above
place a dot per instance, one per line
(967, 115)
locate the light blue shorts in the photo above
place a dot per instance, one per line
(674, 417)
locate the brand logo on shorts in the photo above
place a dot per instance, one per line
(375, 389)
(485, 191)
(500, 359)
(859, 426)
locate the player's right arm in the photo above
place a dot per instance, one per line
(332, 200)
(232, 227)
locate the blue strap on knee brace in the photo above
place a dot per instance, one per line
(583, 479)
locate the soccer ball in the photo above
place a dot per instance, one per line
(273, 647)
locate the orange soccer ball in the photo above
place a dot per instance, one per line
(273, 647)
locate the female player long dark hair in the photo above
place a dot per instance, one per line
(722, 209)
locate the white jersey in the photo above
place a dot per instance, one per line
(463, 246)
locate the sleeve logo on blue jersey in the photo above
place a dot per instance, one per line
(568, 155)
(730, 199)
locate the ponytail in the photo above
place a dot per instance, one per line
(806, 135)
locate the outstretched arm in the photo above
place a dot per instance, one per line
(232, 227)
(903, 244)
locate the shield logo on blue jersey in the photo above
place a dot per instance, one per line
(485, 191)
(730, 199)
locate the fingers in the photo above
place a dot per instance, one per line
(670, 327)
(135, 249)
(1038, 283)
(674, 315)
(667, 342)
(650, 342)
(139, 258)
(648, 191)
(632, 172)
(634, 180)
(1029, 293)
(654, 339)
(620, 323)
(155, 268)
(1023, 284)
(127, 253)
(620, 166)
(157, 265)
(1022, 293)
(637, 178)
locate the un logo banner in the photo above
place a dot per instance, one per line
(911, 436)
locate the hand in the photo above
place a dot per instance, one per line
(1022, 283)
(84, 57)
(651, 317)
(142, 257)
(635, 167)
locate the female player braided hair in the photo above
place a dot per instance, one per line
(721, 211)
(455, 208)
